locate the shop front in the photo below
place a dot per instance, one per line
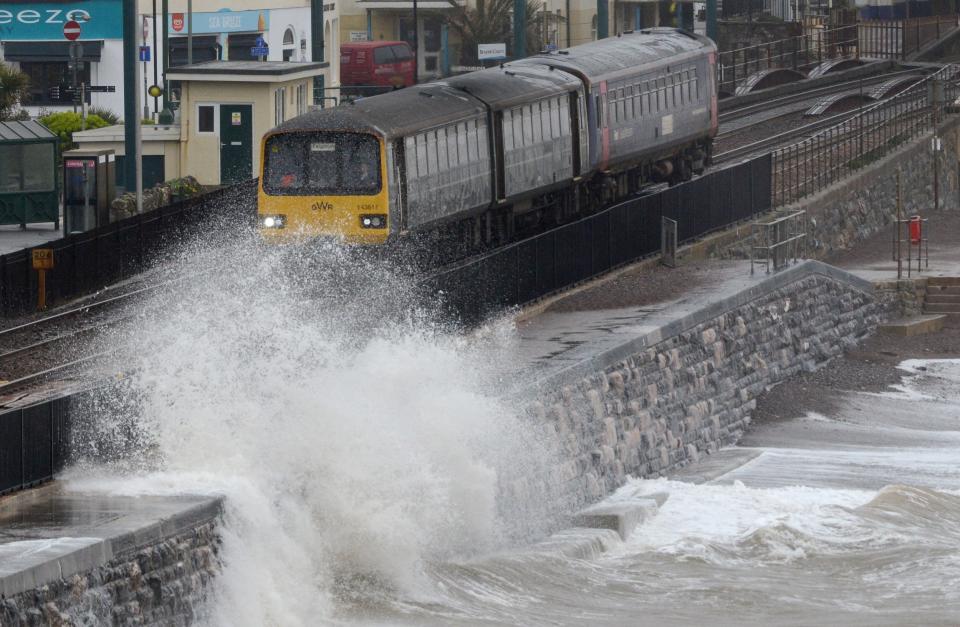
(32, 40)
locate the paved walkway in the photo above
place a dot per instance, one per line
(13, 238)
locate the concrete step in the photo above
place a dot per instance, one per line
(935, 308)
(934, 297)
(941, 281)
(917, 325)
(943, 289)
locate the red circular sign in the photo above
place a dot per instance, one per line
(71, 30)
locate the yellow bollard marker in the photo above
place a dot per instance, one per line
(42, 261)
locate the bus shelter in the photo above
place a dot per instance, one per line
(29, 190)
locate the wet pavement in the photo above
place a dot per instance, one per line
(47, 533)
(13, 238)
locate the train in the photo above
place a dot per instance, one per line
(479, 159)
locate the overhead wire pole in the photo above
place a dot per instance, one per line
(131, 103)
(316, 47)
(712, 19)
(603, 19)
(519, 29)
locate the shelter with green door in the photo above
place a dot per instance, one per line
(29, 187)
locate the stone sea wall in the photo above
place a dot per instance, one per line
(162, 583)
(866, 202)
(690, 393)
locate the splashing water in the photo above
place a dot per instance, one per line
(353, 436)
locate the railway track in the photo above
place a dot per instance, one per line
(61, 344)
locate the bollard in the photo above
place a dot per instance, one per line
(42, 261)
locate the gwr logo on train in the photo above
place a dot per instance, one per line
(322, 206)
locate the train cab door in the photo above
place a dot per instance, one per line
(499, 191)
(575, 131)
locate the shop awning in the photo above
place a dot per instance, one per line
(34, 51)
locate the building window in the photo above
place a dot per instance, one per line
(46, 74)
(206, 118)
(279, 106)
(593, 28)
(289, 44)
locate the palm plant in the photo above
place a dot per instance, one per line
(14, 86)
(490, 21)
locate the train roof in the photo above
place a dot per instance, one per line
(601, 58)
(393, 114)
(505, 86)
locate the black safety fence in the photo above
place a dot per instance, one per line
(85, 262)
(546, 263)
(33, 444)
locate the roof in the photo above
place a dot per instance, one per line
(24, 131)
(599, 59)
(395, 113)
(504, 86)
(244, 70)
(149, 132)
(371, 44)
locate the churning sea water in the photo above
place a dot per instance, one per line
(360, 446)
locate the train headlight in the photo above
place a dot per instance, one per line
(373, 221)
(273, 222)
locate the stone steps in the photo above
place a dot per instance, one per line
(943, 296)
(943, 299)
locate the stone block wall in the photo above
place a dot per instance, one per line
(865, 203)
(691, 393)
(158, 584)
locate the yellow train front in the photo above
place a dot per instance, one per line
(322, 183)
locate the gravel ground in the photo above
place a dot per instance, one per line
(871, 367)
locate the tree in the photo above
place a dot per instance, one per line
(65, 123)
(491, 22)
(13, 92)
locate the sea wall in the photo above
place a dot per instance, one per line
(686, 390)
(866, 202)
(153, 576)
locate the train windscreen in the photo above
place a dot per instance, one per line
(315, 164)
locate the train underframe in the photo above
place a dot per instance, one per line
(502, 225)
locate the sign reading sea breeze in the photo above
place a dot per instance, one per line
(491, 52)
(43, 259)
(71, 30)
(22, 20)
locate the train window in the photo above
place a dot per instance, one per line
(410, 156)
(555, 119)
(322, 163)
(471, 139)
(564, 117)
(442, 163)
(482, 139)
(422, 169)
(507, 128)
(432, 152)
(462, 133)
(527, 126)
(622, 103)
(536, 123)
(517, 128)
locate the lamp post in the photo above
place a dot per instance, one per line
(416, 45)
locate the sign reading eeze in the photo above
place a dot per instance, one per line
(21, 21)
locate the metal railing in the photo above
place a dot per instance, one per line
(897, 39)
(799, 53)
(777, 240)
(33, 444)
(815, 163)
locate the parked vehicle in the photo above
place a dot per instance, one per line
(368, 68)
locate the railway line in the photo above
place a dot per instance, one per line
(762, 130)
(60, 346)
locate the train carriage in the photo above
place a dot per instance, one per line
(476, 158)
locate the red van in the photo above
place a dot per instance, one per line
(382, 65)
